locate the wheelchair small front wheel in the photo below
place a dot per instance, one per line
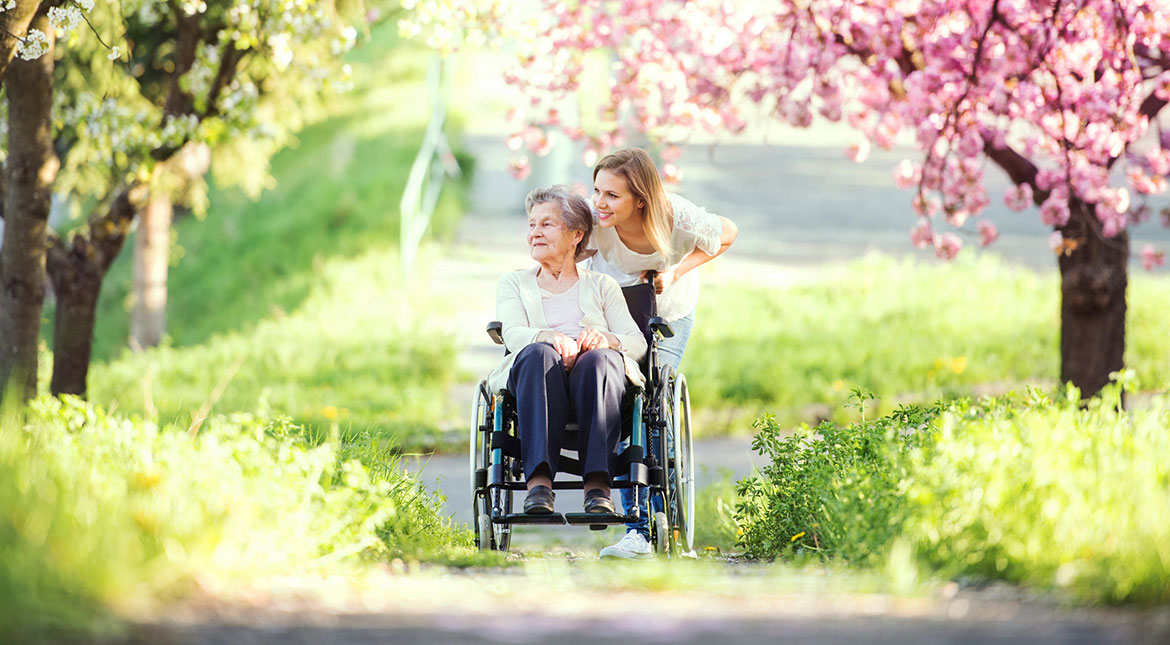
(484, 524)
(661, 533)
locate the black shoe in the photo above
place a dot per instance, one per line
(539, 500)
(598, 502)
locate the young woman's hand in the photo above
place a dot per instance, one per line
(662, 280)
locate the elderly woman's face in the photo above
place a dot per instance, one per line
(549, 240)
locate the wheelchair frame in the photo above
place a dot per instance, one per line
(656, 419)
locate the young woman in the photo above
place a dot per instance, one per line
(640, 228)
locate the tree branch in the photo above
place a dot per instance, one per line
(1149, 109)
(224, 76)
(1019, 168)
(178, 101)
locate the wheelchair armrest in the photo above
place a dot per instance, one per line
(495, 329)
(660, 326)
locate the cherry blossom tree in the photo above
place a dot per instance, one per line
(142, 91)
(1064, 96)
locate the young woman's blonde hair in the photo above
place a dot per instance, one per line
(642, 176)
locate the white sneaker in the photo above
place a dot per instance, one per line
(631, 547)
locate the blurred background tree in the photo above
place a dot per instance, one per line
(145, 93)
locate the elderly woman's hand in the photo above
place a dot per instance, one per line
(565, 346)
(591, 338)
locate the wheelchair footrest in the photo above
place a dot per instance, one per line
(529, 518)
(597, 519)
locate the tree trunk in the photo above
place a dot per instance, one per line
(1094, 276)
(29, 172)
(148, 321)
(77, 281)
(15, 22)
(77, 270)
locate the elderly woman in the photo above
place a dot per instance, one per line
(573, 346)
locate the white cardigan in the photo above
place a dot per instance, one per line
(519, 308)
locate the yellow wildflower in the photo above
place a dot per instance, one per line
(959, 364)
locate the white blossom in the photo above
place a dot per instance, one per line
(64, 19)
(34, 45)
(115, 53)
(86, 4)
(8, 5)
(282, 54)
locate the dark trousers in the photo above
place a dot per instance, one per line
(544, 393)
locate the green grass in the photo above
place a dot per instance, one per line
(301, 290)
(1052, 493)
(103, 517)
(905, 331)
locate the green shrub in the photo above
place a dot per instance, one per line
(828, 489)
(1049, 493)
(100, 514)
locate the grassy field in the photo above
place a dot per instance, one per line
(905, 331)
(298, 296)
(105, 516)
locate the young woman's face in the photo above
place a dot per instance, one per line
(614, 201)
(549, 240)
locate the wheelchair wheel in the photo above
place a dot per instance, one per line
(682, 466)
(486, 417)
(661, 530)
(480, 408)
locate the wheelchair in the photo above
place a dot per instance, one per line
(656, 421)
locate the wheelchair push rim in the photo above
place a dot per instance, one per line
(684, 466)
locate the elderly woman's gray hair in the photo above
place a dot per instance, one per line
(575, 211)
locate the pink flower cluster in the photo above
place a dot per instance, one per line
(1057, 94)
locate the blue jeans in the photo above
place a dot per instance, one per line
(670, 352)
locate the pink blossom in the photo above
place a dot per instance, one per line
(859, 151)
(1152, 259)
(921, 235)
(1159, 160)
(1054, 211)
(947, 246)
(1145, 183)
(1162, 86)
(987, 232)
(1018, 197)
(520, 168)
(906, 174)
(671, 153)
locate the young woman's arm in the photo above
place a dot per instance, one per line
(697, 257)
